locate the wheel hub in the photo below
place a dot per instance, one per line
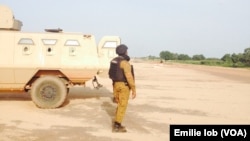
(48, 92)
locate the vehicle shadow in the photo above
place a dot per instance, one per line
(87, 93)
(74, 93)
(15, 96)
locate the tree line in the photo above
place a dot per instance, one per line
(232, 60)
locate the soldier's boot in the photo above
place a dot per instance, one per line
(118, 128)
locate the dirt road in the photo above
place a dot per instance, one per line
(166, 94)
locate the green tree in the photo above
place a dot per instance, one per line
(235, 58)
(174, 56)
(166, 55)
(246, 56)
(241, 58)
(183, 57)
(198, 57)
(227, 58)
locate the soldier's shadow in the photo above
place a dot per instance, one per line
(110, 109)
(87, 92)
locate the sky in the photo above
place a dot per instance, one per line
(209, 27)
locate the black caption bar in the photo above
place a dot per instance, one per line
(211, 132)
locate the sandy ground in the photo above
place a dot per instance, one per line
(166, 94)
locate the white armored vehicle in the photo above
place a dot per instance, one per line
(48, 64)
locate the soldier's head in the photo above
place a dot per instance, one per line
(121, 49)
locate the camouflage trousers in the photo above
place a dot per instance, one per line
(121, 94)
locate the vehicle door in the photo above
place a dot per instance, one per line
(106, 49)
(51, 49)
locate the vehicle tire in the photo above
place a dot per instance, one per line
(48, 92)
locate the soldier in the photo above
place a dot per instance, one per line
(122, 75)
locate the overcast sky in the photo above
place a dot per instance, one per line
(209, 27)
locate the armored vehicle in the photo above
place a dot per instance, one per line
(49, 63)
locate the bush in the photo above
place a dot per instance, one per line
(212, 62)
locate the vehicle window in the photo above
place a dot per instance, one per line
(72, 43)
(49, 41)
(26, 41)
(110, 44)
